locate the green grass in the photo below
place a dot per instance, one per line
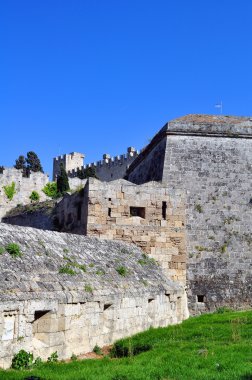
(209, 347)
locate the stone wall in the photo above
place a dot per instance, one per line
(210, 158)
(148, 215)
(107, 169)
(217, 175)
(69, 161)
(24, 187)
(43, 309)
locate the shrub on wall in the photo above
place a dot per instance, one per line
(10, 190)
(50, 190)
(34, 197)
(13, 249)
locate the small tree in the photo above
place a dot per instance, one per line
(62, 181)
(20, 163)
(86, 173)
(33, 162)
(28, 164)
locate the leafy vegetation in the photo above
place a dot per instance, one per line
(50, 189)
(13, 249)
(146, 260)
(22, 360)
(34, 197)
(209, 347)
(66, 269)
(122, 271)
(10, 190)
(88, 288)
(30, 163)
(62, 181)
(86, 173)
(53, 358)
(199, 208)
(97, 350)
(2, 250)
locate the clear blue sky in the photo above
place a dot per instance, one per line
(96, 76)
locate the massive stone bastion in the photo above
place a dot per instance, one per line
(67, 293)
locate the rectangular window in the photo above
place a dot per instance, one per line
(109, 211)
(200, 298)
(137, 211)
(164, 207)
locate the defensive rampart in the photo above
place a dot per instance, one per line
(210, 158)
(68, 293)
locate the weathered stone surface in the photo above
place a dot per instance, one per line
(43, 310)
(147, 215)
(107, 169)
(210, 158)
(24, 187)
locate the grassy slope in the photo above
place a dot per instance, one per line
(217, 346)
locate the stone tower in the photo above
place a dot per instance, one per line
(210, 158)
(70, 162)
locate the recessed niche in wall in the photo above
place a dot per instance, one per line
(200, 298)
(106, 306)
(137, 211)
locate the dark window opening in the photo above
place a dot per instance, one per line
(150, 300)
(107, 305)
(40, 313)
(200, 298)
(109, 199)
(109, 211)
(137, 211)
(111, 175)
(164, 207)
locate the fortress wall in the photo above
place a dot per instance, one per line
(24, 187)
(149, 215)
(216, 174)
(43, 310)
(110, 168)
(150, 168)
(69, 161)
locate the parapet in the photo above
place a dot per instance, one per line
(208, 125)
(217, 126)
(109, 162)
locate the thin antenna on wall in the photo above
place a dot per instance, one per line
(219, 105)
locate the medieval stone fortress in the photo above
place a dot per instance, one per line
(161, 232)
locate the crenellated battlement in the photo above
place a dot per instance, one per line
(107, 169)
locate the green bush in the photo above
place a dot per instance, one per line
(22, 360)
(88, 288)
(53, 358)
(13, 249)
(34, 197)
(10, 190)
(2, 250)
(97, 350)
(122, 271)
(124, 348)
(67, 270)
(74, 358)
(50, 189)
